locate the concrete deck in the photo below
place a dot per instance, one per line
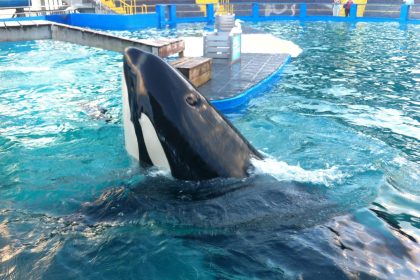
(11, 31)
(263, 55)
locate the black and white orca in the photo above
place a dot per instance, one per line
(170, 125)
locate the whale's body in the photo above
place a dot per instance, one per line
(169, 124)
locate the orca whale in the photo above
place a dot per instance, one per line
(170, 125)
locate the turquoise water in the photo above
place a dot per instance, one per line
(338, 196)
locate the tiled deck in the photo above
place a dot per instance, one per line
(263, 58)
(27, 30)
(230, 80)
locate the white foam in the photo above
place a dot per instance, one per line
(415, 71)
(340, 91)
(365, 115)
(157, 172)
(284, 172)
(24, 69)
(391, 119)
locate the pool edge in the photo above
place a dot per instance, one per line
(228, 104)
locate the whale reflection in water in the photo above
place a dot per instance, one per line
(255, 219)
(217, 203)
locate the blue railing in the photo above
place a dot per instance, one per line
(171, 15)
(167, 14)
(14, 3)
(301, 11)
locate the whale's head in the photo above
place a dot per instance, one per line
(169, 124)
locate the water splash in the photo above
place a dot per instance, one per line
(156, 172)
(282, 171)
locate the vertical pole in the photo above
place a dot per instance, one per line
(172, 15)
(210, 13)
(404, 13)
(160, 11)
(303, 11)
(255, 11)
(353, 11)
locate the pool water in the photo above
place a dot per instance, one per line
(337, 196)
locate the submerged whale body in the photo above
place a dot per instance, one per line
(169, 124)
(221, 203)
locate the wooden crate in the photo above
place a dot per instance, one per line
(196, 69)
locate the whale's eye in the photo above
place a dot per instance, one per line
(192, 99)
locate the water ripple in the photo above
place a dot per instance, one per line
(337, 198)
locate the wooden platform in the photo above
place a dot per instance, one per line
(11, 31)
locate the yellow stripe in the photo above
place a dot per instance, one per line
(221, 7)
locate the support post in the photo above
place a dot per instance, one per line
(404, 13)
(255, 11)
(353, 11)
(210, 13)
(172, 15)
(303, 11)
(160, 11)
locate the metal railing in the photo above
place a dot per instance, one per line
(131, 7)
(224, 8)
(173, 14)
(35, 13)
(20, 12)
(190, 10)
(127, 7)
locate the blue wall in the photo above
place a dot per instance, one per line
(100, 21)
(167, 15)
(14, 3)
(112, 22)
(57, 18)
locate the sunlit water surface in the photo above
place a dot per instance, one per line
(338, 196)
